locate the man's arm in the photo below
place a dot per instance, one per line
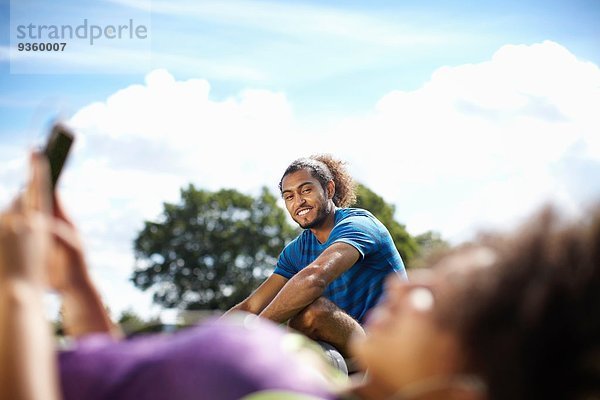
(262, 296)
(310, 283)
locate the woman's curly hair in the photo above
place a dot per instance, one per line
(325, 168)
(531, 327)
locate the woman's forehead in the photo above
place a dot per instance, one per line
(459, 264)
(466, 260)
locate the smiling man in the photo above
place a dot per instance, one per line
(332, 274)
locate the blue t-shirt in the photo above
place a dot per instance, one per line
(359, 288)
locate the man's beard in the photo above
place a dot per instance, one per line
(319, 219)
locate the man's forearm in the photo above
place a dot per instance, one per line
(299, 292)
(262, 296)
(310, 283)
(243, 306)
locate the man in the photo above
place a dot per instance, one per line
(332, 274)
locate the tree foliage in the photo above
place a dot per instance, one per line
(405, 243)
(430, 243)
(131, 322)
(210, 250)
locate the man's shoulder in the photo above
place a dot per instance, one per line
(355, 216)
(343, 213)
(359, 221)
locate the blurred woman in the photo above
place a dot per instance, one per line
(509, 317)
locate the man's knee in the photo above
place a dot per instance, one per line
(312, 317)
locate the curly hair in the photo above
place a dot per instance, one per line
(531, 325)
(325, 168)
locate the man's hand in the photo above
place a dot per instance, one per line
(262, 296)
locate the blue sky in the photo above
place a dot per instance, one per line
(320, 68)
(462, 114)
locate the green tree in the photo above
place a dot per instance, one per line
(405, 243)
(130, 322)
(430, 243)
(211, 250)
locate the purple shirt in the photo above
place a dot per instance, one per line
(219, 359)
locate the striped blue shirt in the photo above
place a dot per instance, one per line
(359, 288)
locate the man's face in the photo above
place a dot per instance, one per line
(305, 199)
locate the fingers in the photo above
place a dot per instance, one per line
(24, 246)
(59, 211)
(41, 249)
(67, 272)
(66, 235)
(17, 224)
(37, 196)
(17, 205)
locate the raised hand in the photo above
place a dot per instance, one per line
(25, 239)
(68, 268)
(27, 363)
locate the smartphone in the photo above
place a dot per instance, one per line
(57, 149)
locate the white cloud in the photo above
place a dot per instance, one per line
(476, 145)
(480, 143)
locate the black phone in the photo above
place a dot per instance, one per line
(57, 149)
